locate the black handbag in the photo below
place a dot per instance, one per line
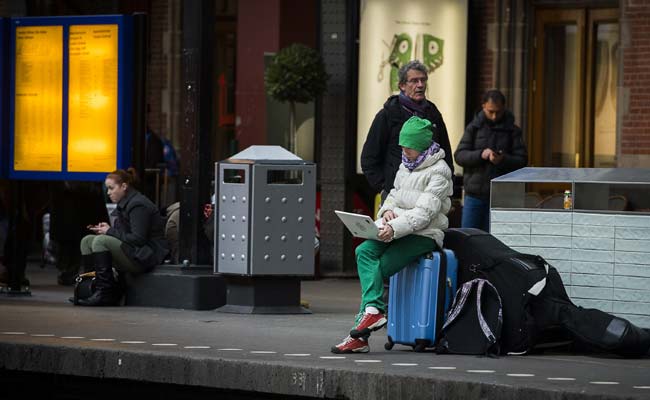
(84, 286)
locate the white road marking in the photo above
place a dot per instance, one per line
(298, 355)
(164, 344)
(230, 349)
(603, 383)
(72, 337)
(13, 333)
(367, 361)
(133, 342)
(480, 371)
(445, 368)
(521, 375)
(561, 379)
(103, 340)
(196, 347)
(332, 357)
(405, 364)
(42, 334)
(641, 387)
(263, 352)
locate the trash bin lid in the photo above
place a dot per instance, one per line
(266, 154)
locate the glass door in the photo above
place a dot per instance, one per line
(557, 88)
(600, 123)
(573, 107)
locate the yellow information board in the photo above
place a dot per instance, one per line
(38, 98)
(92, 98)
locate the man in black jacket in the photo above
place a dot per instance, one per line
(491, 146)
(381, 154)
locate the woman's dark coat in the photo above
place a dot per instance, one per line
(140, 227)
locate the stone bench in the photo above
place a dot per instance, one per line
(604, 259)
(177, 286)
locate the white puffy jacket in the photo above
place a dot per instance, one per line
(420, 199)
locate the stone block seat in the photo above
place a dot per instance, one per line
(193, 287)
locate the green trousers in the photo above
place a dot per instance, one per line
(378, 260)
(98, 243)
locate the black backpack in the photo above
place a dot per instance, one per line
(474, 321)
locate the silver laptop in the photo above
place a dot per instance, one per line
(361, 226)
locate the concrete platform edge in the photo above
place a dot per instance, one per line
(259, 376)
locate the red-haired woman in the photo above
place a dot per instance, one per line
(135, 243)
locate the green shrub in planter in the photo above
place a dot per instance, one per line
(296, 75)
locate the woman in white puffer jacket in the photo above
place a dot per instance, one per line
(414, 216)
(421, 199)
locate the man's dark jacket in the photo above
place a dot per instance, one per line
(140, 227)
(382, 155)
(503, 136)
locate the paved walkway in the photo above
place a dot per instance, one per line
(281, 354)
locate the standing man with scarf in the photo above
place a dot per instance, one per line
(381, 154)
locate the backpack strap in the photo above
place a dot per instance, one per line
(459, 301)
(491, 336)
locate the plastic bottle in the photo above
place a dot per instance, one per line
(567, 200)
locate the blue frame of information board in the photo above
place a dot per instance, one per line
(124, 96)
(4, 145)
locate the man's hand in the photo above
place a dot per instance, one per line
(388, 215)
(486, 153)
(386, 233)
(496, 158)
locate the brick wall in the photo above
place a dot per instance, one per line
(250, 97)
(157, 66)
(481, 52)
(634, 117)
(488, 21)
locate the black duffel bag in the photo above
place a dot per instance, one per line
(518, 278)
(536, 307)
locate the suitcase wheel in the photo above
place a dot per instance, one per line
(420, 345)
(389, 345)
(419, 348)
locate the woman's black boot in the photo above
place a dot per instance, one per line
(87, 262)
(107, 291)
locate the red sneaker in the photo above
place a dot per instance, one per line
(367, 324)
(351, 345)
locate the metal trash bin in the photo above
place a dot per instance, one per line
(265, 202)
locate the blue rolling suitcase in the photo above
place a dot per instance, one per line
(418, 300)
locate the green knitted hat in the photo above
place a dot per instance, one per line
(416, 134)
